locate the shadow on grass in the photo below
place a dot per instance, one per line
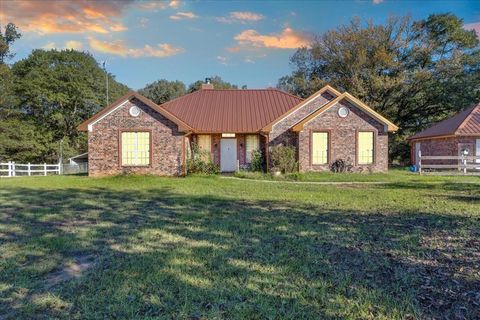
(159, 253)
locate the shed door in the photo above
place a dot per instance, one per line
(477, 153)
(228, 155)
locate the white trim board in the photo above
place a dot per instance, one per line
(90, 125)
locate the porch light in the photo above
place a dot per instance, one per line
(228, 135)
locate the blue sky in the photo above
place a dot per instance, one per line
(244, 42)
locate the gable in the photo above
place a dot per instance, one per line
(123, 101)
(389, 126)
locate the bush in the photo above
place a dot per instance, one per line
(257, 161)
(199, 161)
(340, 166)
(283, 158)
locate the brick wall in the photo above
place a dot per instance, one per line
(280, 133)
(444, 147)
(343, 137)
(104, 142)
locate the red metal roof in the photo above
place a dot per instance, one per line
(231, 110)
(466, 122)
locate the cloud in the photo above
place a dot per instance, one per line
(473, 26)
(46, 17)
(71, 44)
(159, 5)
(287, 39)
(183, 15)
(377, 1)
(119, 48)
(144, 22)
(241, 17)
(222, 60)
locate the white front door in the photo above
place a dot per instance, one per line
(228, 155)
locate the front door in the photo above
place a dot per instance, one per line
(228, 155)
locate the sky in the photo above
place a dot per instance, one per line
(244, 42)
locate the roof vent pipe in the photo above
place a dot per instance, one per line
(207, 84)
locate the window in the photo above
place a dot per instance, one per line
(204, 142)
(320, 147)
(251, 143)
(135, 148)
(365, 147)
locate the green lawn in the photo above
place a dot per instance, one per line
(216, 248)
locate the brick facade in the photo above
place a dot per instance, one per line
(280, 133)
(451, 146)
(343, 139)
(104, 142)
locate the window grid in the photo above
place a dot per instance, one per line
(320, 148)
(365, 147)
(135, 148)
(204, 142)
(251, 143)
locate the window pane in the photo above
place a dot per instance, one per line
(251, 143)
(320, 148)
(135, 148)
(365, 147)
(204, 142)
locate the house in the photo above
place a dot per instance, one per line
(454, 136)
(135, 135)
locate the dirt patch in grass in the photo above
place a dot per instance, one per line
(72, 269)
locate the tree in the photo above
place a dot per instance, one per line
(414, 73)
(218, 83)
(163, 90)
(6, 40)
(60, 89)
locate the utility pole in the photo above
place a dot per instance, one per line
(106, 78)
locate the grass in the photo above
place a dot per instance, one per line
(208, 247)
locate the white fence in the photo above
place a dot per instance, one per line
(461, 163)
(12, 169)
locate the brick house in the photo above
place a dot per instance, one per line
(135, 135)
(450, 137)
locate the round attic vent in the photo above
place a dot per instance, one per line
(343, 112)
(134, 111)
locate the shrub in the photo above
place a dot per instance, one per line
(199, 161)
(257, 161)
(340, 166)
(283, 158)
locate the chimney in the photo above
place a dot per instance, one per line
(207, 85)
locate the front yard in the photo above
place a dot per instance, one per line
(212, 247)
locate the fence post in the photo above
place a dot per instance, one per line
(29, 169)
(9, 168)
(13, 168)
(44, 168)
(60, 171)
(419, 161)
(464, 163)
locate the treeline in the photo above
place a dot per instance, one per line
(413, 72)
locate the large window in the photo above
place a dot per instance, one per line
(135, 148)
(204, 142)
(365, 147)
(252, 143)
(320, 147)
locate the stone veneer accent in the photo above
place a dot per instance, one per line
(444, 147)
(104, 142)
(343, 137)
(280, 133)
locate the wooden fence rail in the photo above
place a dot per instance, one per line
(461, 163)
(12, 169)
